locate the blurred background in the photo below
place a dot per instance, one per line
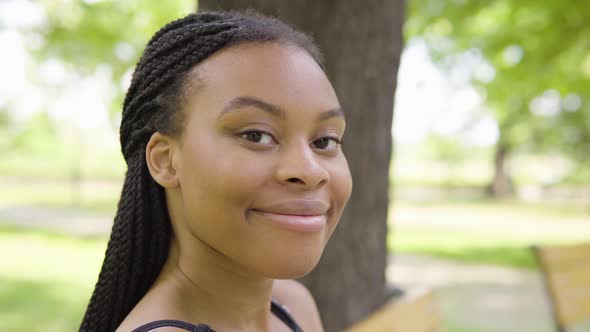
(491, 131)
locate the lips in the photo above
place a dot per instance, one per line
(305, 216)
(296, 208)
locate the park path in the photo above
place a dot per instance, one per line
(476, 298)
(66, 221)
(484, 298)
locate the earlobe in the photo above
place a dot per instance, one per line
(159, 156)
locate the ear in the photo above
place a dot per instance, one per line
(159, 155)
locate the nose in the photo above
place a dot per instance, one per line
(300, 166)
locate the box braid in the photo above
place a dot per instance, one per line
(141, 233)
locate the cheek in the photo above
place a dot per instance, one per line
(220, 174)
(341, 186)
(218, 185)
(340, 191)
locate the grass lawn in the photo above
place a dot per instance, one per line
(498, 233)
(95, 196)
(463, 246)
(46, 279)
(59, 163)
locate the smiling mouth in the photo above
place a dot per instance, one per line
(295, 222)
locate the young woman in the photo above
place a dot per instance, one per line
(236, 179)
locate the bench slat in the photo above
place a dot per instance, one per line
(416, 311)
(571, 293)
(560, 257)
(567, 278)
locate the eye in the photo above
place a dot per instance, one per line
(257, 136)
(327, 143)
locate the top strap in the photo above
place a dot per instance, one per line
(277, 309)
(149, 327)
(283, 314)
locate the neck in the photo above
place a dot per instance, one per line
(211, 289)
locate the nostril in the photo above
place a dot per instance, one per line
(295, 180)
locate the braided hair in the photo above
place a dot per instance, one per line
(141, 233)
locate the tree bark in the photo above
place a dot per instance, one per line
(502, 185)
(361, 42)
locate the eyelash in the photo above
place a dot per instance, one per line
(334, 139)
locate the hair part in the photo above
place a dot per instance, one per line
(166, 72)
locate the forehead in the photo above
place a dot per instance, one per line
(283, 75)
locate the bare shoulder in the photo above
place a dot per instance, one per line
(300, 303)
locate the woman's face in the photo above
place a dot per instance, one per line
(262, 178)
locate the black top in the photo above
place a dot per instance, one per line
(278, 310)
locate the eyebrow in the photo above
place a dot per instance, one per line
(244, 101)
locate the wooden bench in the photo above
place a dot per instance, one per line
(566, 273)
(415, 311)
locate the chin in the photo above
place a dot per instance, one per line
(291, 266)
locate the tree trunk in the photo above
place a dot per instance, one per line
(501, 185)
(361, 42)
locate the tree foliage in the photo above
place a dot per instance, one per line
(540, 51)
(87, 34)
